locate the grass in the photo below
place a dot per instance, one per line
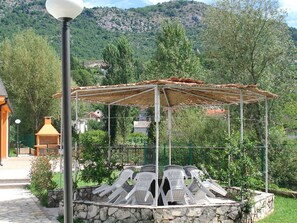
(284, 211)
(80, 183)
(12, 152)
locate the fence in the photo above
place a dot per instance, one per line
(214, 157)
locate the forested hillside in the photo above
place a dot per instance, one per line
(96, 27)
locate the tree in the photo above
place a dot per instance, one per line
(119, 58)
(174, 55)
(82, 77)
(31, 72)
(246, 41)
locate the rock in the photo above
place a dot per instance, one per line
(194, 212)
(111, 211)
(82, 215)
(110, 220)
(92, 211)
(122, 214)
(146, 214)
(103, 213)
(222, 210)
(178, 212)
(234, 214)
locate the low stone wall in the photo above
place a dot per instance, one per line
(92, 208)
(54, 197)
(97, 213)
(82, 193)
(264, 205)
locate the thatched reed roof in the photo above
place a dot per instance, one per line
(174, 92)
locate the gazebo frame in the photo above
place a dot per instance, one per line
(172, 93)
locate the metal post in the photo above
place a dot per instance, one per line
(61, 145)
(190, 153)
(241, 130)
(109, 136)
(241, 118)
(229, 137)
(157, 120)
(164, 154)
(76, 131)
(169, 133)
(67, 136)
(18, 147)
(266, 145)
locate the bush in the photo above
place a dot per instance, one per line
(137, 138)
(93, 156)
(41, 177)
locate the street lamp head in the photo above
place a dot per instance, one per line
(17, 121)
(61, 9)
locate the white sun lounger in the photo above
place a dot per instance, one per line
(140, 193)
(178, 191)
(122, 179)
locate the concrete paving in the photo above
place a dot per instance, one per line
(19, 205)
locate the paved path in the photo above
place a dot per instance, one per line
(19, 205)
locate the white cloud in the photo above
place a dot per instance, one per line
(291, 7)
(157, 1)
(160, 1)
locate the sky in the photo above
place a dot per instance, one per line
(289, 5)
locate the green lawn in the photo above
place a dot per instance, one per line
(79, 183)
(285, 211)
(12, 152)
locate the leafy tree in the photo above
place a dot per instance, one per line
(32, 74)
(248, 42)
(82, 77)
(174, 55)
(119, 58)
(93, 156)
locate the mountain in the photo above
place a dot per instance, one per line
(96, 27)
(123, 4)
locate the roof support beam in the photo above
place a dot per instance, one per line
(266, 145)
(132, 96)
(157, 120)
(229, 137)
(200, 96)
(109, 136)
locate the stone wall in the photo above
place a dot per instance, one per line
(54, 197)
(91, 208)
(97, 213)
(82, 193)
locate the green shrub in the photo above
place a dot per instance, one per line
(93, 156)
(41, 177)
(137, 138)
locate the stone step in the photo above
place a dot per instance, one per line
(14, 183)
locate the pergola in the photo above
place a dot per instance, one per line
(173, 93)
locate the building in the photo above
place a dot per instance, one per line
(141, 126)
(5, 110)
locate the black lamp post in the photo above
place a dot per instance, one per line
(17, 122)
(66, 10)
